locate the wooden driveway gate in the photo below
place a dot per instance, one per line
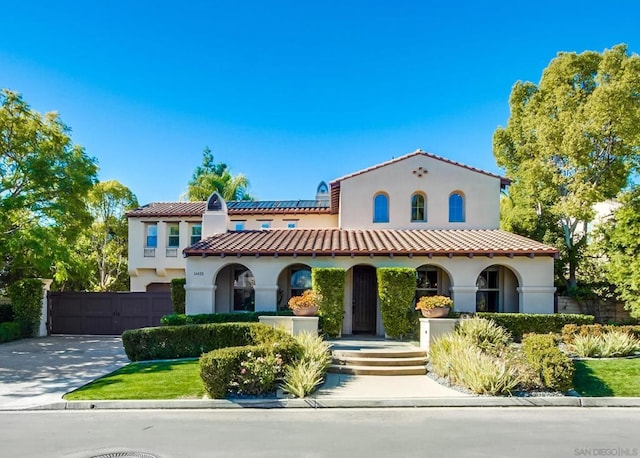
(105, 313)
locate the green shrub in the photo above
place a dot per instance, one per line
(180, 319)
(257, 375)
(178, 294)
(26, 299)
(310, 366)
(329, 283)
(571, 331)
(586, 346)
(191, 341)
(220, 369)
(519, 324)
(457, 357)
(6, 313)
(396, 289)
(10, 330)
(619, 343)
(606, 345)
(302, 377)
(485, 334)
(553, 367)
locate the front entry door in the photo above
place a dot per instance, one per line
(365, 299)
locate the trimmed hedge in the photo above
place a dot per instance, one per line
(10, 330)
(329, 283)
(178, 294)
(191, 341)
(180, 319)
(554, 368)
(218, 368)
(570, 331)
(6, 313)
(397, 289)
(26, 299)
(519, 324)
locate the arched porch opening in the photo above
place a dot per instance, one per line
(235, 289)
(497, 290)
(292, 281)
(432, 280)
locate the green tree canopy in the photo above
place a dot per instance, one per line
(620, 246)
(212, 176)
(99, 262)
(571, 141)
(44, 179)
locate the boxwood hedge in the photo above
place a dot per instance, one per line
(191, 341)
(519, 324)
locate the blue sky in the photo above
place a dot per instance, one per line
(288, 93)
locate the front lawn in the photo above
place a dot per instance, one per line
(608, 377)
(147, 380)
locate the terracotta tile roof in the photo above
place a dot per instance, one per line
(503, 181)
(196, 209)
(160, 209)
(326, 242)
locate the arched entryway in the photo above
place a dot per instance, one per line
(364, 300)
(234, 289)
(497, 290)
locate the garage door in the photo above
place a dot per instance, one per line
(105, 313)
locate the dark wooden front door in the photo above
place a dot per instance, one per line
(365, 299)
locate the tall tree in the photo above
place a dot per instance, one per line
(100, 261)
(44, 178)
(212, 176)
(571, 141)
(620, 246)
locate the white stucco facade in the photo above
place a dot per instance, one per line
(256, 256)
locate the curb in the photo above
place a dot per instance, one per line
(314, 403)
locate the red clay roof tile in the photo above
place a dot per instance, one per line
(341, 242)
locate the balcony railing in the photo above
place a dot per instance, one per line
(149, 252)
(172, 252)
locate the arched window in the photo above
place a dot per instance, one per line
(456, 208)
(380, 208)
(418, 208)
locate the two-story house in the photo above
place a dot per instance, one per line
(419, 210)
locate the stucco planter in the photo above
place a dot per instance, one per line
(308, 311)
(437, 312)
(294, 325)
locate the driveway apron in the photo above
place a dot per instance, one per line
(39, 371)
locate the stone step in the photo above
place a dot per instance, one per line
(368, 361)
(409, 353)
(378, 370)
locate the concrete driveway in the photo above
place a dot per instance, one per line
(39, 371)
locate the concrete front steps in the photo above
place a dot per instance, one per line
(379, 362)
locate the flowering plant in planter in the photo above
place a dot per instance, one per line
(307, 302)
(432, 302)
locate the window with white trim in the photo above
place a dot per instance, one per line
(418, 208)
(151, 240)
(196, 234)
(488, 293)
(173, 235)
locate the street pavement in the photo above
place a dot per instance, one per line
(36, 373)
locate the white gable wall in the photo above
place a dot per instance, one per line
(397, 180)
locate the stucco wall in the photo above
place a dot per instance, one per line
(529, 285)
(397, 180)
